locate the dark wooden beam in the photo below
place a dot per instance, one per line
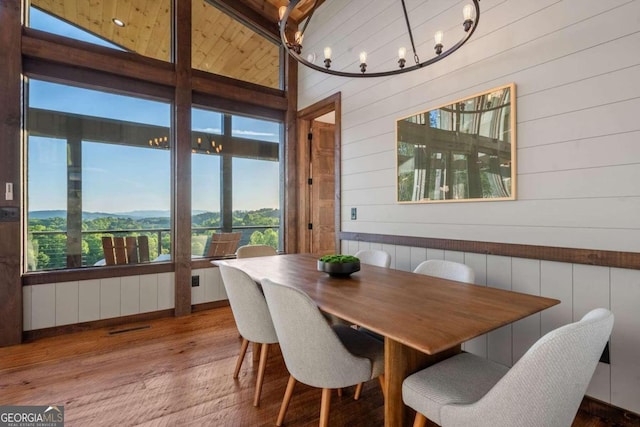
(10, 112)
(290, 178)
(234, 90)
(547, 253)
(237, 107)
(54, 48)
(94, 79)
(181, 188)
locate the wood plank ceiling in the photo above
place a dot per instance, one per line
(221, 45)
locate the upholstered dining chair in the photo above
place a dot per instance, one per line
(374, 257)
(250, 251)
(252, 317)
(316, 353)
(446, 270)
(544, 388)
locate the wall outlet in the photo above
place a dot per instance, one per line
(9, 214)
(195, 281)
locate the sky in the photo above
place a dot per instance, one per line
(118, 178)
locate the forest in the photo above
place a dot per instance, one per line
(47, 235)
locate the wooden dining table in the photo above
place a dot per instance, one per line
(423, 319)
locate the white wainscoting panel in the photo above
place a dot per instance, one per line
(478, 262)
(403, 258)
(88, 300)
(556, 281)
(454, 256)
(110, 297)
(435, 253)
(417, 256)
(166, 291)
(625, 341)
(500, 342)
(67, 308)
(525, 279)
(129, 295)
(214, 288)
(391, 250)
(148, 293)
(43, 298)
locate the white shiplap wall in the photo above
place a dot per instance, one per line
(576, 66)
(580, 288)
(58, 304)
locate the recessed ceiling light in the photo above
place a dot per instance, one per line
(118, 22)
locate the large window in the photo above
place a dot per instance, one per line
(98, 165)
(99, 162)
(235, 179)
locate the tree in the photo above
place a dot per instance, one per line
(269, 237)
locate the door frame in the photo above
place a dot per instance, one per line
(305, 117)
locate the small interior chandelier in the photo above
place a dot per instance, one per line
(471, 17)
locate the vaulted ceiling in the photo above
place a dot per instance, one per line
(220, 43)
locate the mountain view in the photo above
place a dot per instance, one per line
(47, 229)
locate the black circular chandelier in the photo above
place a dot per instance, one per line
(471, 17)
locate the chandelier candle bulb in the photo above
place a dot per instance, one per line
(327, 57)
(281, 12)
(363, 61)
(402, 53)
(439, 36)
(467, 12)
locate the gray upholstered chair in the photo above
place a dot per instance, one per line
(544, 388)
(446, 270)
(252, 317)
(250, 251)
(316, 353)
(374, 257)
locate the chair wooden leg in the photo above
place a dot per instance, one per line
(324, 407)
(382, 385)
(256, 351)
(285, 401)
(339, 392)
(356, 396)
(243, 351)
(420, 420)
(264, 351)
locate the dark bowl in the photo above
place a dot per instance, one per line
(339, 269)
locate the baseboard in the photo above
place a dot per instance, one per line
(36, 334)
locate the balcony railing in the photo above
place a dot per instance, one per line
(47, 250)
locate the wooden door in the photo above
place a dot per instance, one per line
(322, 188)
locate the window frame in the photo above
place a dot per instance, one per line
(50, 57)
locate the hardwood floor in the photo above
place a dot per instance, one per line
(174, 371)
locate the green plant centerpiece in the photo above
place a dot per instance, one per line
(337, 265)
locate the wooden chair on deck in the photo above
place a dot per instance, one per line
(125, 250)
(223, 244)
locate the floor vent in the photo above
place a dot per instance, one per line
(135, 328)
